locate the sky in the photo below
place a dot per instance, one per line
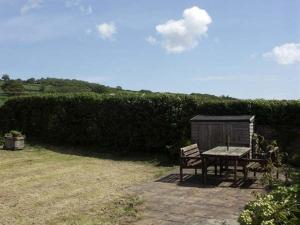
(244, 49)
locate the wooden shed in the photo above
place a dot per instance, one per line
(212, 131)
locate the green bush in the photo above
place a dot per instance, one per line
(131, 122)
(14, 133)
(13, 86)
(279, 207)
(120, 122)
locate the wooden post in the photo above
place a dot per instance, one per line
(227, 141)
(181, 175)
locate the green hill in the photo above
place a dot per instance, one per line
(55, 85)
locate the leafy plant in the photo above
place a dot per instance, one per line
(269, 149)
(262, 147)
(279, 207)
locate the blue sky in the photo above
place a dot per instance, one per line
(245, 49)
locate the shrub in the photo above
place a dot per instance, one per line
(261, 146)
(278, 207)
(121, 122)
(13, 86)
(130, 122)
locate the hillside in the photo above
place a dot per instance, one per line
(56, 85)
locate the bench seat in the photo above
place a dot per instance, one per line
(190, 158)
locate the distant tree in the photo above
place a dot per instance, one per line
(5, 77)
(145, 91)
(13, 86)
(30, 81)
(42, 88)
(99, 89)
(119, 88)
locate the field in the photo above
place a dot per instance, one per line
(46, 185)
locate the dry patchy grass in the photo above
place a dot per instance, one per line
(41, 186)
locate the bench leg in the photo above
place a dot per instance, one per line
(181, 174)
(195, 171)
(254, 173)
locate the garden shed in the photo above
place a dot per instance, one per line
(211, 131)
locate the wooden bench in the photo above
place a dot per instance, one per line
(190, 158)
(260, 165)
(255, 166)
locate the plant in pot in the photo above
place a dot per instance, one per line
(14, 140)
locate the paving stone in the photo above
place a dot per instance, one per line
(166, 201)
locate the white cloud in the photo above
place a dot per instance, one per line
(30, 5)
(106, 30)
(285, 54)
(184, 34)
(78, 4)
(151, 40)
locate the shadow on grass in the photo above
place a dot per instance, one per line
(104, 153)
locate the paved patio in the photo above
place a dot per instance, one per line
(166, 201)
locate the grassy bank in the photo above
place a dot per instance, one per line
(43, 185)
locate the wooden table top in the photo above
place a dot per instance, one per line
(231, 152)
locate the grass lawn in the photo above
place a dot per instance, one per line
(41, 185)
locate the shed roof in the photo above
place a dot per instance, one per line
(244, 118)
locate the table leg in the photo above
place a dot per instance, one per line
(216, 168)
(235, 170)
(221, 166)
(204, 171)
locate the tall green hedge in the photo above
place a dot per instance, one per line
(130, 122)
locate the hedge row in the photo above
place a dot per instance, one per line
(129, 122)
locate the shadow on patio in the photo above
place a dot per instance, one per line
(226, 180)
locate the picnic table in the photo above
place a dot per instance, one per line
(224, 153)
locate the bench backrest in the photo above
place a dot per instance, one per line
(272, 156)
(190, 151)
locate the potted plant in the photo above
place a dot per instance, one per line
(14, 140)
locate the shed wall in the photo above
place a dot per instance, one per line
(210, 134)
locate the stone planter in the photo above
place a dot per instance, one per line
(14, 143)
